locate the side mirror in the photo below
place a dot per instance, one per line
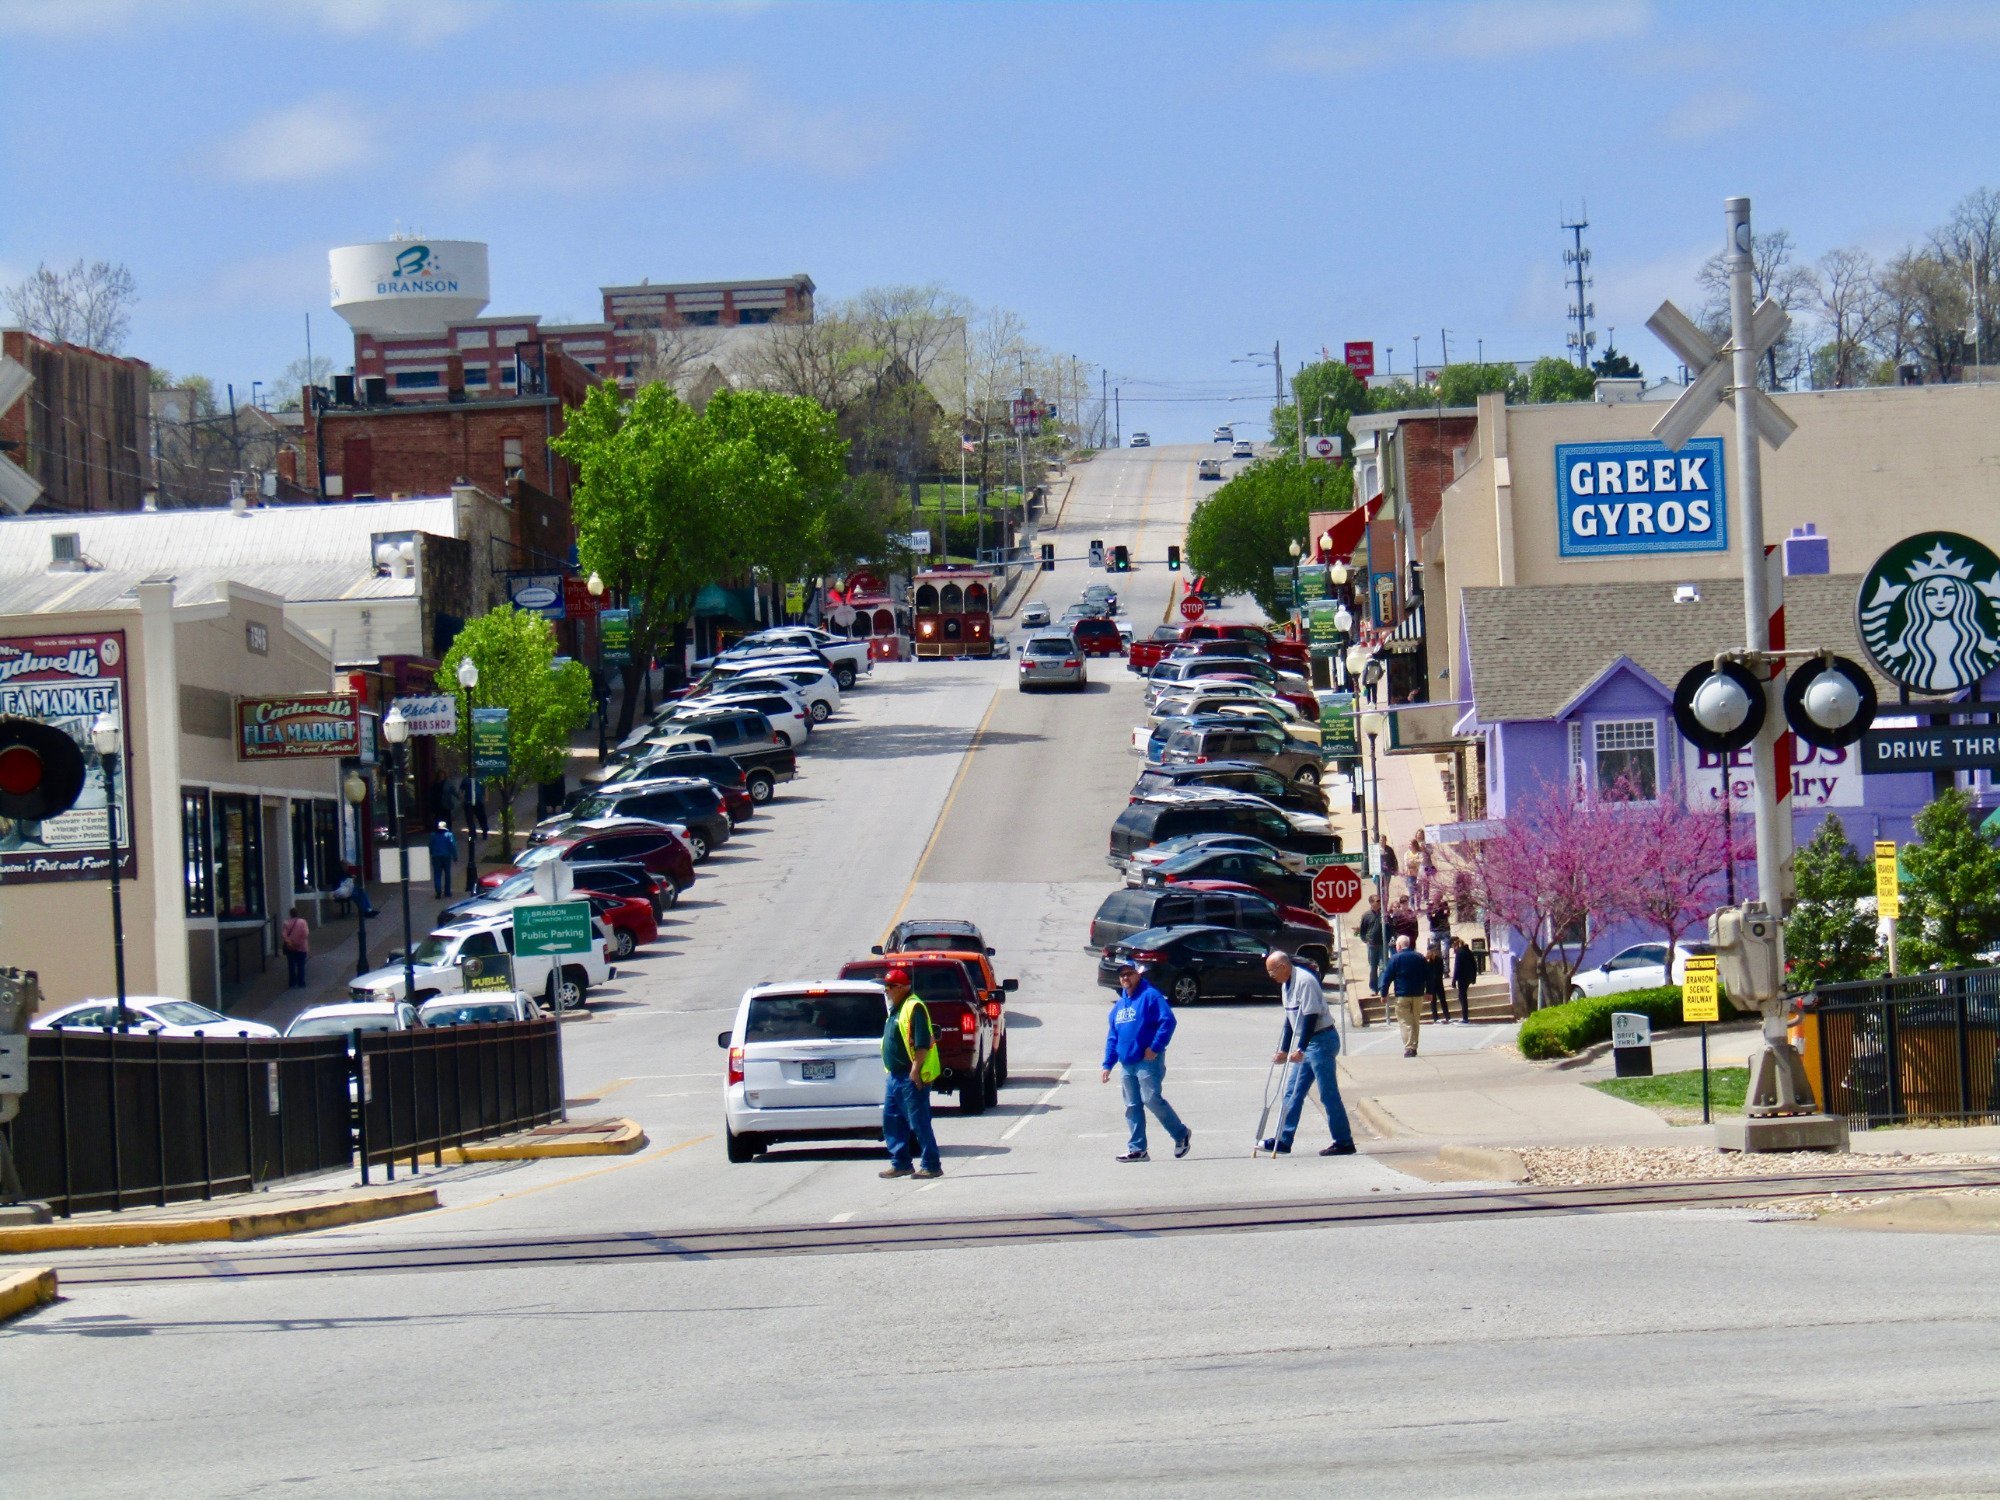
(722, 1040)
(1010, 985)
(876, 950)
(989, 953)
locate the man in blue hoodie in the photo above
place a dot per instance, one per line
(1142, 1023)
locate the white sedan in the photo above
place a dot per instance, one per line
(1640, 967)
(155, 1015)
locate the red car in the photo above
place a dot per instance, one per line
(1096, 637)
(653, 845)
(965, 1031)
(1284, 652)
(628, 919)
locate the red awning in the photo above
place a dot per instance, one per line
(1348, 531)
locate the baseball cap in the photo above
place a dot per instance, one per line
(897, 975)
(1128, 967)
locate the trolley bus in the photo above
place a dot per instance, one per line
(954, 610)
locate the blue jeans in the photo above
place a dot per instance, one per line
(906, 1123)
(1321, 1052)
(440, 878)
(295, 968)
(1141, 1082)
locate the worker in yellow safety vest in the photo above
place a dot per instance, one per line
(910, 1054)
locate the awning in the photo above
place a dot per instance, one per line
(1349, 530)
(1409, 632)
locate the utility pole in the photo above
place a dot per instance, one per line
(1299, 411)
(1118, 418)
(1103, 406)
(1417, 358)
(1444, 349)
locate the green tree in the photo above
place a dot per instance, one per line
(790, 465)
(1463, 385)
(1951, 889)
(1551, 379)
(1328, 392)
(515, 652)
(1616, 364)
(1245, 529)
(1829, 938)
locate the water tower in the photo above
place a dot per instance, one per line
(395, 288)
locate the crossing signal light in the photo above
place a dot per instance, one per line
(1121, 560)
(1173, 559)
(1048, 557)
(41, 770)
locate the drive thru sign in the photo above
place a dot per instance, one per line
(1336, 889)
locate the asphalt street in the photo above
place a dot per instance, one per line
(1633, 1354)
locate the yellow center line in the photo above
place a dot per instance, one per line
(630, 1161)
(944, 813)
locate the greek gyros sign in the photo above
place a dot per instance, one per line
(1638, 498)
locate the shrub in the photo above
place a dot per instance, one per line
(1565, 1030)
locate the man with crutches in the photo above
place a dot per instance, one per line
(1311, 1043)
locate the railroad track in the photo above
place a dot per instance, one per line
(1014, 1229)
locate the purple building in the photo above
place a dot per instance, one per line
(1573, 684)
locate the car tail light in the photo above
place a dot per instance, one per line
(1146, 956)
(735, 1064)
(968, 1024)
(1070, 661)
(993, 1009)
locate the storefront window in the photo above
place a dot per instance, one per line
(197, 857)
(326, 844)
(1626, 754)
(239, 859)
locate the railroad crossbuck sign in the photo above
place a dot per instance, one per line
(18, 488)
(1710, 386)
(1336, 889)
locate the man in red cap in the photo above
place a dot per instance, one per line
(909, 1052)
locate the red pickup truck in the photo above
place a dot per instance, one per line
(965, 1032)
(1286, 654)
(1145, 655)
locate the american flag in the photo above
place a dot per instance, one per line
(968, 445)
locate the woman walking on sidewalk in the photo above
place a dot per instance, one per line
(297, 940)
(1464, 970)
(1434, 963)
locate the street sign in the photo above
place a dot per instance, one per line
(1888, 888)
(389, 858)
(553, 879)
(1700, 993)
(1336, 890)
(1097, 554)
(1927, 612)
(1314, 863)
(1323, 631)
(560, 928)
(1315, 582)
(1192, 608)
(842, 615)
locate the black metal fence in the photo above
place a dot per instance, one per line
(1917, 1047)
(118, 1120)
(421, 1091)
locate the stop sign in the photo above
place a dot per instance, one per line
(1336, 889)
(1192, 607)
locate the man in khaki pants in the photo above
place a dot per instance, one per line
(1408, 978)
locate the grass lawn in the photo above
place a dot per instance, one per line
(1678, 1095)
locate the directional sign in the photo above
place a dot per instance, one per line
(1710, 387)
(18, 488)
(1192, 608)
(561, 928)
(1336, 890)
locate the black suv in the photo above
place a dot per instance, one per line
(1143, 824)
(1234, 776)
(687, 800)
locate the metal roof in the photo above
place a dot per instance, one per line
(63, 592)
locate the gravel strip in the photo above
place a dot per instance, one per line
(1561, 1166)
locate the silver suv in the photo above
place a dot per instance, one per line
(1052, 661)
(1251, 742)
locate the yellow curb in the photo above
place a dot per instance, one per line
(246, 1224)
(23, 1291)
(624, 1138)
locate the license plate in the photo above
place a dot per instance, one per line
(816, 1071)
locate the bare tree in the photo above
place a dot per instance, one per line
(916, 327)
(670, 354)
(826, 360)
(1970, 242)
(1774, 273)
(88, 304)
(1929, 302)
(1850, 308)
(299, 374)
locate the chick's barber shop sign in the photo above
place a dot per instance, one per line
(1638, 498)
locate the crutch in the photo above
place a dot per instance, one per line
(1264, 1114)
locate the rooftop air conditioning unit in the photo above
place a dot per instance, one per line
(66, 550)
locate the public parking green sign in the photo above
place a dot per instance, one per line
(614, 637)
(489, 741)
(1929, 612)
(558, 927)
(1339, 727)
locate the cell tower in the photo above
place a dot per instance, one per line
(1582, 310)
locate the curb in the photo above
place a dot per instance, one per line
(1490, 1163)
(24, 1291)
(624, 1138)
(247, 1224)
(1379, 1119)
(1933, 1213)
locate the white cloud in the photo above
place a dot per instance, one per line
(319, 137)
(1709, 114)
(1481, 30)
(419, 24)
(422, 23)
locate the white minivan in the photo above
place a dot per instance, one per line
(805, 1064)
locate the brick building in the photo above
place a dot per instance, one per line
(83, 430)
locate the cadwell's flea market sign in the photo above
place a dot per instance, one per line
(301, 725)
(1639, 498)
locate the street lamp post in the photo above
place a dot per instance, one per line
(396, 730)
(1296, 549)
(104, 734)
(596, 587)
(1372, 725)
(355, 790)
(468, 679)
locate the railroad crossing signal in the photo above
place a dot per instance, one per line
(18, 488)
(41, 770)
(1710, 365)
(1336, 889)
(1173, 559)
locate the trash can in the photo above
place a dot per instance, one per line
(1631, 1044)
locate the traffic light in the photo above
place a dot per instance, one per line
(1048, 557)
(41, 770)
(1173, 559)
(1121, 560)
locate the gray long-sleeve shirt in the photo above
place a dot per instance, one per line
(1306, 1009)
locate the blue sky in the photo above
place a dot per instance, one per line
(1154, 188)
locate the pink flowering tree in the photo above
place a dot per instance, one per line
(1667, 861)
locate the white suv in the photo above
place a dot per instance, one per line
(438, 962)
(805, 1063)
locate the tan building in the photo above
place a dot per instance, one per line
(1864, 468)
(217, 848)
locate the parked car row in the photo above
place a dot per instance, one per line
(805, 1057)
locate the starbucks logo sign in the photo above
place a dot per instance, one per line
(1929, 612)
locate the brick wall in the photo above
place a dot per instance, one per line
(83, 427)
